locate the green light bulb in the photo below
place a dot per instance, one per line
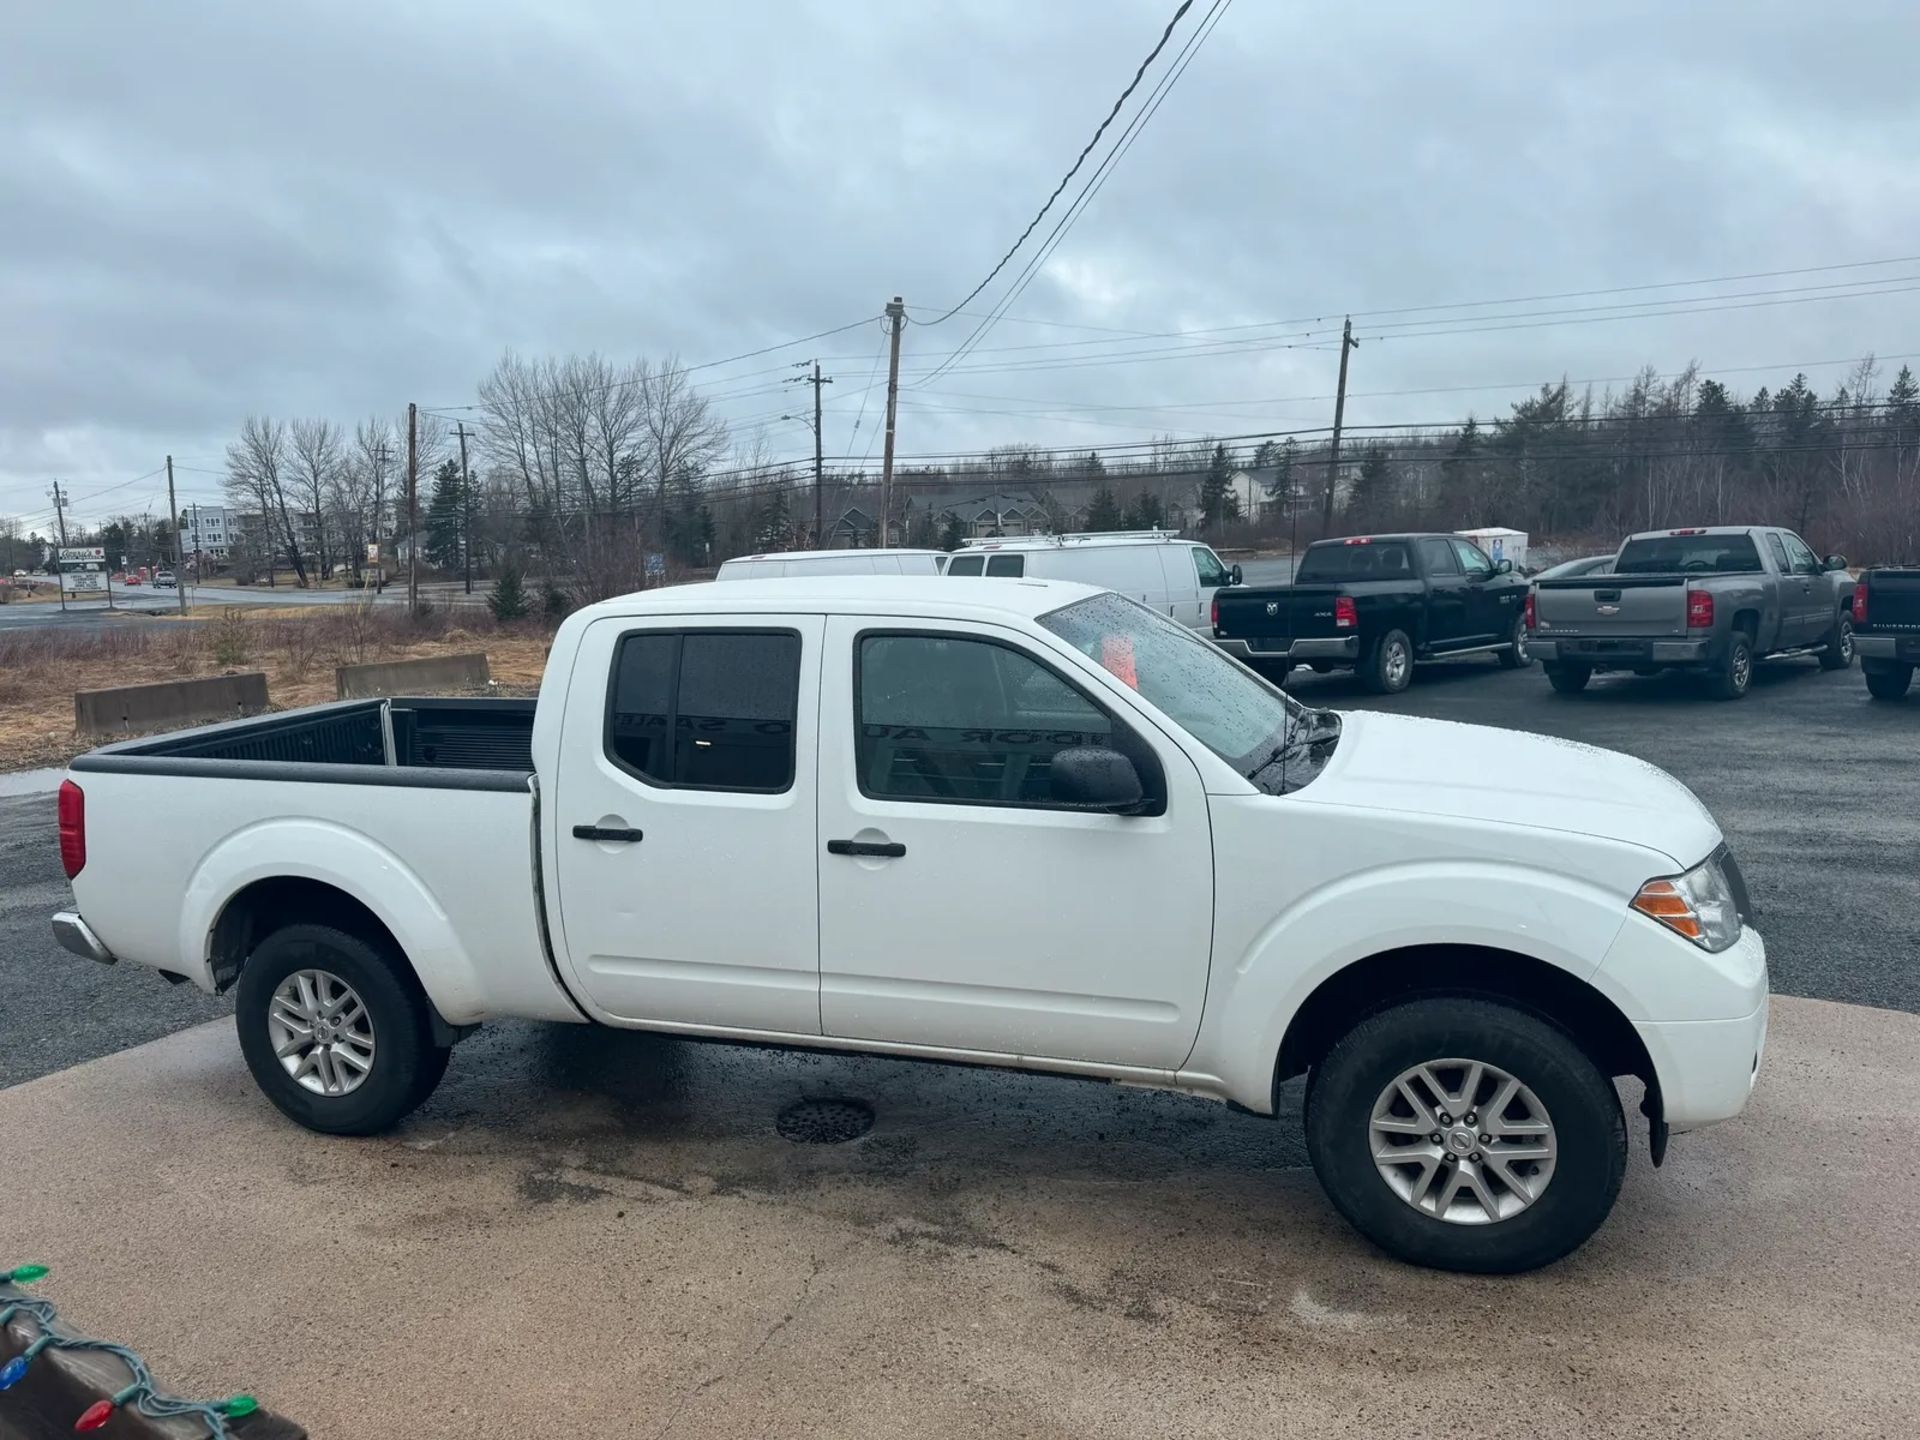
(240, 1405)
(26, 1274)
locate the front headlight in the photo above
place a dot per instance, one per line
(1699, 905)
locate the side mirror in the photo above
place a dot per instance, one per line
(1234, 577)
(1092, 777)
(1836, 562)
(1503, 567)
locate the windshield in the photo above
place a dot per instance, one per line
(1247, 723)
(1697, 554)
(1337, 560)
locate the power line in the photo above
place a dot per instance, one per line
(1079, 160)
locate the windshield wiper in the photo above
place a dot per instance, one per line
(1315, 727)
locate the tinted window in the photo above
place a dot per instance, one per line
(965, 565)
(1437, 557)
(1014, 565)
(1804, 560)
(1696, 554)
(1784, 565)
(706, 710)
(1212, 573)
(1339, 560)
(958, 719)
(1472, 558)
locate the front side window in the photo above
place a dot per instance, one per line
(706, 709)
(1473, 560)
(1212, 573)
(958, 719)
(1805, 562)
(1437, 556)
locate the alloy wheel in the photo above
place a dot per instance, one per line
(322, 1032)
(1462, 1141)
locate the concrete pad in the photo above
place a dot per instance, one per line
(601, 1233)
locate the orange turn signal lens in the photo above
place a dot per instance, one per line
(1661, 900)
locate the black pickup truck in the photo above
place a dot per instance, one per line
(1886, 629)
(1376, 604)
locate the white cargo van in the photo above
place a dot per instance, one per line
(1176, 577)
(832, 562)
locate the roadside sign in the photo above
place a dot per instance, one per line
(373, 554)
(83, 555)
(656, 565)
(83, 582)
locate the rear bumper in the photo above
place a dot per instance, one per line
(1623, 653)
(1336, 647)
(1902, 648)
(76, 935)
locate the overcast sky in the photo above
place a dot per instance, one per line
(215, 208)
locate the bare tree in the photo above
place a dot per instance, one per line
(679, 430)
(257, 466)
(317, 460)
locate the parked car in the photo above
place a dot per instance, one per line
(1377, 604)
(740, 812)
(776, 565)
(1175, 577)
(164, 580)
(1573, 569)
(1711, 599)
(1886, 629)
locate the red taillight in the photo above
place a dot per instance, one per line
(1345, 617)
(1530, 620)
(1213, 613)
(1859, 604)
(73, 828)
(1699, 610)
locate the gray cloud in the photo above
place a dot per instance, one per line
(223, 208)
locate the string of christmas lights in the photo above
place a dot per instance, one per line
(141, 1395)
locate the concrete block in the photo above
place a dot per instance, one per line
(133, 709)
(412, 677)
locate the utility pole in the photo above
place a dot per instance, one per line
(466, 511)
(60, 565)
(179, 545)
(897, 315)
(381, 455)
(1347, 342)
(413, 508)
(816, 380)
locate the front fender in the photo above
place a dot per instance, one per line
(1562, 921)
(351, 861)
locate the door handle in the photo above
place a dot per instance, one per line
(884, 849)
(619, 834)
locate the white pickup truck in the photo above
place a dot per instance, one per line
(758, 811)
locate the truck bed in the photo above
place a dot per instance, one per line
(467, 744)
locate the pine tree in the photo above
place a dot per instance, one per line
(1460, 475)
(1281, 458)
(1103, 513)
(1216, 498)
(952, 532)
(446, 516)
(509, 598)
(1370, 487)
(1146, 513)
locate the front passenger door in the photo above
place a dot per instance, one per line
(1489, 606)
(961, 908)
(1806, 592)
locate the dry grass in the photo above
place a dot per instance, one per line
(298, 649)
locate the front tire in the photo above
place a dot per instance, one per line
(1568, 679)
(1388, 667)
(1889, 682)
(1522, 1178)
(1837, 653)
(1734, 675)
(337, 1033)
(1516, 654)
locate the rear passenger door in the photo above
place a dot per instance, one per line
(685, 806)
(1446, 594)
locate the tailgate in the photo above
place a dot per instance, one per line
(1274, 618)
(1617, 605)
(1893, 601)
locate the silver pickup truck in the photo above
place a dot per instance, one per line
(1714, 599)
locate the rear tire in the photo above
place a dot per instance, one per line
(1585, 1135)
(1889, 682)
(1388, 667)
(378, 1070)
(1733, 676)
(1568, 679)
(1517, 654)
(1837, 654)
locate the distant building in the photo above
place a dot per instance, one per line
(207, 530)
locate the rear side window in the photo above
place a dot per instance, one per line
(706, 709)
(965, 564)
(1436, 556)
(965, 721)
(1340, 560)
(1007, 565)
(1688, 554)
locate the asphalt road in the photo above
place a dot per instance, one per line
(1815, 786)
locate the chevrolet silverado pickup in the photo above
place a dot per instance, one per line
(1714, 600)
(747, 812)
(1376, 604)
(1886, 629)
